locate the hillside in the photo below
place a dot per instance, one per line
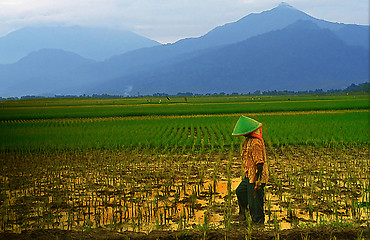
(299, 57)
(46, 70)
(93, 43)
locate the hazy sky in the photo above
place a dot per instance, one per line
(164, 20)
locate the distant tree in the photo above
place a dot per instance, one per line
(364, 87)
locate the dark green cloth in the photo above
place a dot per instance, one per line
(249, 198)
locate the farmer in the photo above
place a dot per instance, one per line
(250, 191)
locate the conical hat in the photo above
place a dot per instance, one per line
(245, 125)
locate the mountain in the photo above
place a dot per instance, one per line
(301, 56)
(46, 70)
(249, 26)
(279, 49)
(354, 35)
(270, 20)
(93, 43)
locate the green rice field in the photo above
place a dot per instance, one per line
(143, 164)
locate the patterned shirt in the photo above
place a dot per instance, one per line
(254, 153)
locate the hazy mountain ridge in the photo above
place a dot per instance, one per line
(301, 56)
(94, 43)
(46, 71)
(260, 51)
(258, 23)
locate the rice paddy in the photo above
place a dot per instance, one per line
(178, 170)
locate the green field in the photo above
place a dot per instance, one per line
(191, 132)
(151, 163)
(91, 108)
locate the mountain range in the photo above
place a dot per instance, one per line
(278, 49)
(93, 43)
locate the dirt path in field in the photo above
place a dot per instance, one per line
(310, 233)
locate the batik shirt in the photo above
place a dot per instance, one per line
(254, 153)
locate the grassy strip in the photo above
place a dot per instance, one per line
(93, 111)
(50, 102)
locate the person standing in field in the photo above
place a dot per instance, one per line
(250, 192)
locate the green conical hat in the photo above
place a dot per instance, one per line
(245, 125)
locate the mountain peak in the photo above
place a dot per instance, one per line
(285, 5)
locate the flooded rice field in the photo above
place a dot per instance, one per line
(143, 192)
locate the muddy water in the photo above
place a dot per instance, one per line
(82, 192)
(178, 214)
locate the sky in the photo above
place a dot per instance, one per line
(163, 20)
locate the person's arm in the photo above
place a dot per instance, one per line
(258, 183)
(259, 161)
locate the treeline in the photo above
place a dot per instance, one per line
(363, 88)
